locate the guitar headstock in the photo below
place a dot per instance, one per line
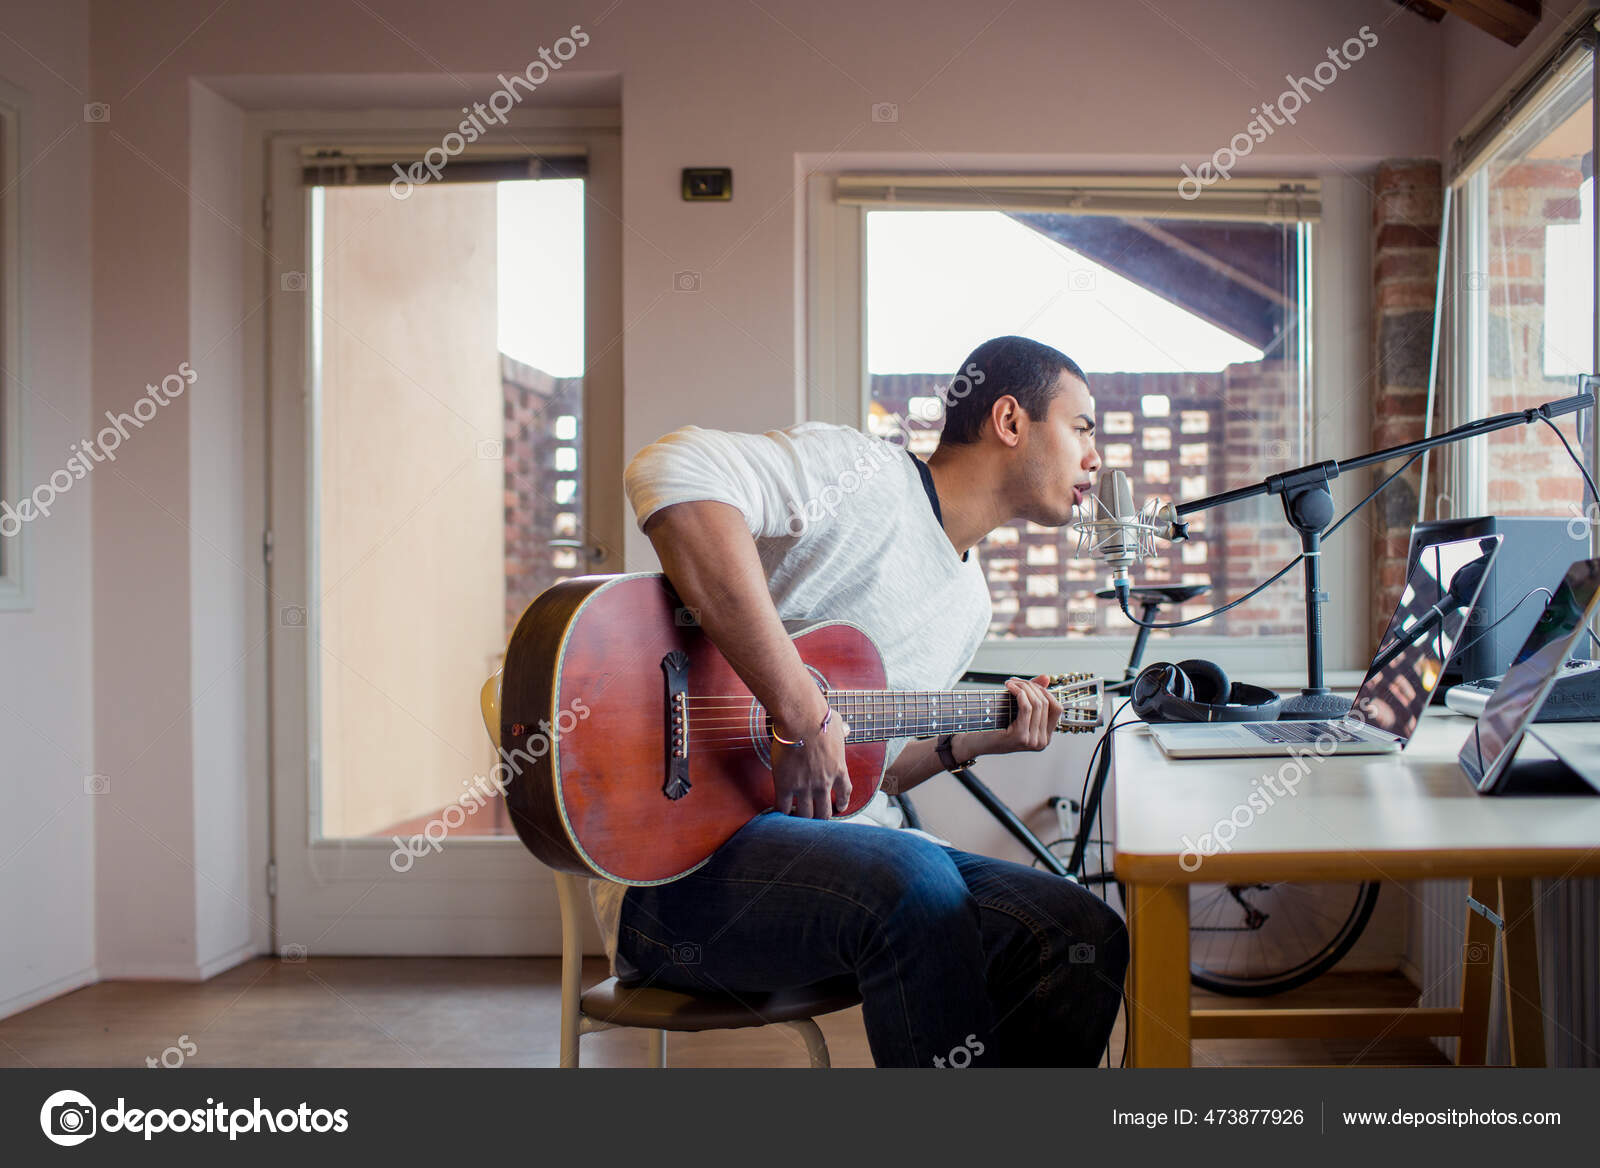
(1082, 698)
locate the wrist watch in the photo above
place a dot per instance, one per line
(947, 756)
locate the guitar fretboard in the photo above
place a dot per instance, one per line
(875, 715)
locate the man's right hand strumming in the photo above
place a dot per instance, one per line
(710, 557)
(810, 781)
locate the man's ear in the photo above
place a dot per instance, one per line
(1007, 416)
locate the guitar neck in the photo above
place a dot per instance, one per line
(877, 715)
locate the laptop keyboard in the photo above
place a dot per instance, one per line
(1300, 731)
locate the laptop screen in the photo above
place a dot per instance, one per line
(1517, 698)
(1426, 627)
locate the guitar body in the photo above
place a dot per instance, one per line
(588, 722)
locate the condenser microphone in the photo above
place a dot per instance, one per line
(1117, 533)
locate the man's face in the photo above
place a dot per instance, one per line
(1059, 460)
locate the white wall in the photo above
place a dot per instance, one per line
(47, 860)
(226, 575)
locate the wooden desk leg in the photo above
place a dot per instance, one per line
(1524, 1011)
(1477, 977)
(1158, 989)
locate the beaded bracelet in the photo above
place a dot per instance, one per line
(822, 729)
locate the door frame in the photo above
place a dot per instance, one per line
(483, 896)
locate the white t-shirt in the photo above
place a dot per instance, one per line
(845, 530)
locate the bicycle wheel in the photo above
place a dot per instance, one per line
(1249, 940)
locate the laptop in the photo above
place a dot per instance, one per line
(1424, 631)
(1487, 754)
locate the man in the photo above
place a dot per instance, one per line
(961, 959)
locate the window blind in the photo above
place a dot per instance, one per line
(350, 166)
(1143, 197)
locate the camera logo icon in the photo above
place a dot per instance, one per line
(686, 953)
(1276, 450)
(97, 784)
(885, 111)
(97, 111)
(1081, 280)
(1477, 953)
(686, 281)
(292, 616)
(686, 618)
(67, 1118)
(292, 281)
(491, 449)
(1475, 281)
(294, 954)
(1081, 954)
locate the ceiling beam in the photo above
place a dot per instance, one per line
(1508, 20)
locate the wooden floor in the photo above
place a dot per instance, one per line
(501, 1012)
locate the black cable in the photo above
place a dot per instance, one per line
(1083, 795)
(1460, 649)
(1055, 843)
(1275, 577)
(1269, 582)
(1112, 726)
(1372, 493)
(1589, 482)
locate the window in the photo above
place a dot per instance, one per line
(1523, 302)
(1184, 325)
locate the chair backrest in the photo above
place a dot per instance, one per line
(489, 703)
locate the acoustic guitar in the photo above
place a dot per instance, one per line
(632, 750)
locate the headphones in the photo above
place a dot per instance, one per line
(1199, 691)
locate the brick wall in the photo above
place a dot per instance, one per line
(544, 490)
(1405, 232)
(1529, 473)
(1262, 438)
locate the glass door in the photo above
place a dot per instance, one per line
(431, 474)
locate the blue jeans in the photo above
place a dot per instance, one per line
(961, 960)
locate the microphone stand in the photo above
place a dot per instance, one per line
(1308, 506)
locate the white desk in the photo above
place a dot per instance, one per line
(1408, 816)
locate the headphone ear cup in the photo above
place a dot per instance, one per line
(1209, 684)
(1152, 682)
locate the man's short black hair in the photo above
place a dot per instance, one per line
(1024, 369)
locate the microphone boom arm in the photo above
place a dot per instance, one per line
(1308, 506)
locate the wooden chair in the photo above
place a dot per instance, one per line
(610, 1003)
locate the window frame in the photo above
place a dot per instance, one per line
(1465, 472)
(835, 386)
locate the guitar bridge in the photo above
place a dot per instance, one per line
(675, 669)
